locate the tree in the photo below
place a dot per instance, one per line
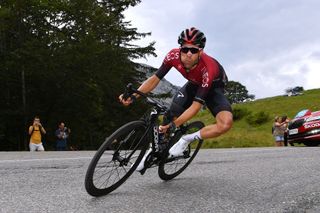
(66, 60)
(294, 90)
(236, 92)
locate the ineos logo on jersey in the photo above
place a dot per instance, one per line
(172, 56)
(205, 79)
(180, 95)
(307, 126)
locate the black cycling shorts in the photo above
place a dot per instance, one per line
(215, 100)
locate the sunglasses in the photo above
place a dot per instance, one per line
(193, 50)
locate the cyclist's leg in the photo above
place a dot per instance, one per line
(171, 167)
(141, 165)
(221, 109)
(181, 101)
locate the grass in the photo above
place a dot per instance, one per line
(244, 135)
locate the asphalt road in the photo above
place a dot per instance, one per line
(221, 180)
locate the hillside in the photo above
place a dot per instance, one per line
(244, 135)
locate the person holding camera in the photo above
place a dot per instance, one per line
(62, 133)
(35, 131)
(280, 126)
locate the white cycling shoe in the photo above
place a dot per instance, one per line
(141, 164)
(178, 148)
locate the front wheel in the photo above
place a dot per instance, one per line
(170, 167)
(116, 159)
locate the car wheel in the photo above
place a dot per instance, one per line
(311, 143)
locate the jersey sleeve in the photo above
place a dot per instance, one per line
(163, 70)
(167, 63)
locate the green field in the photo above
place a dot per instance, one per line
(244, 135)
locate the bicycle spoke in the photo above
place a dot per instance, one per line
(171, 167)
(104, 180)
(114, 166)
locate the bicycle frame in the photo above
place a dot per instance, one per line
(154, 129)
(131, 142)
(151, 119)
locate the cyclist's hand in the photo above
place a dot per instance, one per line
(164, 129)
(171, 127)
(125, 102)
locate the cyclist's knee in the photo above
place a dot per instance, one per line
(224, 122)
(224, 127)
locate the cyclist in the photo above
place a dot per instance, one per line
(206, 81)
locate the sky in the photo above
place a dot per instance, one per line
(266, 45)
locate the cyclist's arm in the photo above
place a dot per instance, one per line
(154, 80)
(189, 113)
(145, 87)
(149, 84)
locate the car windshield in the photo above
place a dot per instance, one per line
(303, 113)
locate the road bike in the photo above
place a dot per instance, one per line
(120, 154)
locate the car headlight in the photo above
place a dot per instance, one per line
(315, 131)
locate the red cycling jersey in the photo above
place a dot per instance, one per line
(204, 74)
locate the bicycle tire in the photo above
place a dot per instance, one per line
(167, 164)
(118, 146)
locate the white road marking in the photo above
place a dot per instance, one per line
(43, 159)
(218, 151)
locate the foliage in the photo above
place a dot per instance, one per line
(163, 95)
(236, 92)
(294, 89)
(66, 60)
(239, 113)
(258, 118)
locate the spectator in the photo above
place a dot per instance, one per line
(35, 131)
(73, 148)
(285, 118)
(280, 126)
(62, 133)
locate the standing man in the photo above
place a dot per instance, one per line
(62, 133)
(206, 81)
(35, 131)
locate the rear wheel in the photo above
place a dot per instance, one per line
(116, 159)
(170, 167)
